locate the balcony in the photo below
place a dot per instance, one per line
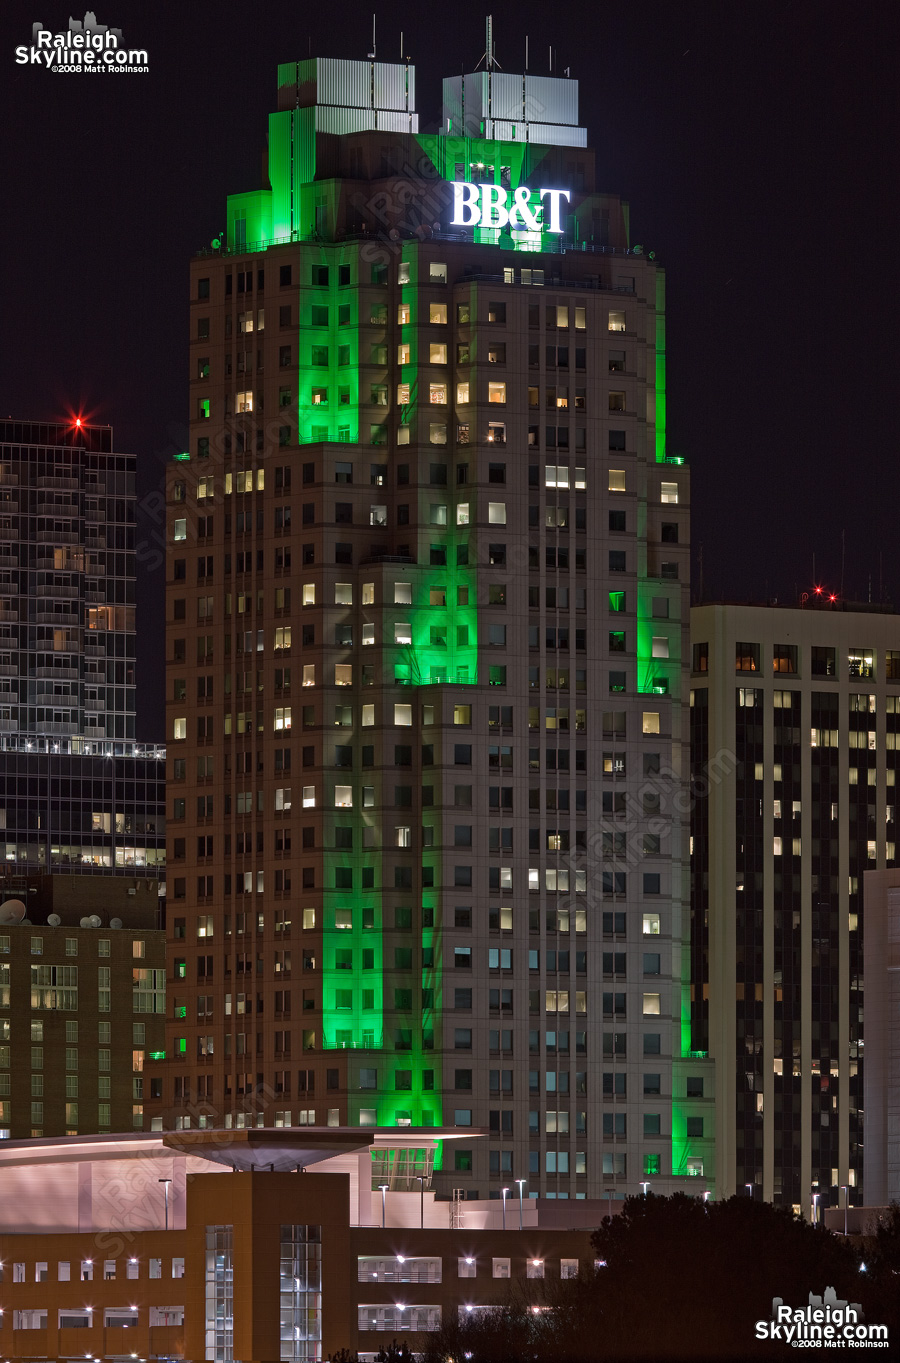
(56, 590)
(66, 535)
(63, 484)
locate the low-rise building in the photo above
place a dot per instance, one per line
(258, 1244)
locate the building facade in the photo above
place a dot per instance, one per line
(881, 1089)
(149, 1247)
(794, 716)
(77, 793)
(426, 651)
(82, 1008)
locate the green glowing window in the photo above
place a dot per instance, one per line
(319, 355)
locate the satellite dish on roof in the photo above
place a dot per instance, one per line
(54, 921)
(12, 911)
(95, 920)
(115, 922)
(85, 923)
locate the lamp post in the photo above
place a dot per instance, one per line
(749, 1187)
(706, 1195)
(645, 1185)
(165, 1182)
(845, 1190)
(421, 1178)
(520, 1182)
(815, 1202)
(382, 1188)
(504, 1191)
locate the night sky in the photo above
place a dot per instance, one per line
(757, 145)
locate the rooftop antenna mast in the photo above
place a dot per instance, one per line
(372, 53)
(487, 56)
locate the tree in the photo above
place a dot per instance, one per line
(687, 1279)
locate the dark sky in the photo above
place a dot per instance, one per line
(757, 145)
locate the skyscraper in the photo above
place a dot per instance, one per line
(426, 632)
(77, 793)
(81, 802)
(794, 718)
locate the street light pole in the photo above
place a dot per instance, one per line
(749, 1187)
(645, 1185)
(504, 1191)
(815, 1200)
(845, 1190)
(382, 1188)
(520, 1182)
(421, 1179)
(165, 1182)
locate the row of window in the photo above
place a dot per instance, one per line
(823, 661)
(248, 480)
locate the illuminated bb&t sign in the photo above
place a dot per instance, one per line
(490, 206)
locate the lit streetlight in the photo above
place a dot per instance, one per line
(504, 1191)
(645, 1185)
(815, 1202)
(749, 1187)
(520, 1182)
(421, 1178)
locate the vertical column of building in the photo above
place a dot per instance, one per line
(825, 897)
(753, 791)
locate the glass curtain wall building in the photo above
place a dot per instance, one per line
(77, 793)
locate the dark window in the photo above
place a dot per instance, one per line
(824, 663)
